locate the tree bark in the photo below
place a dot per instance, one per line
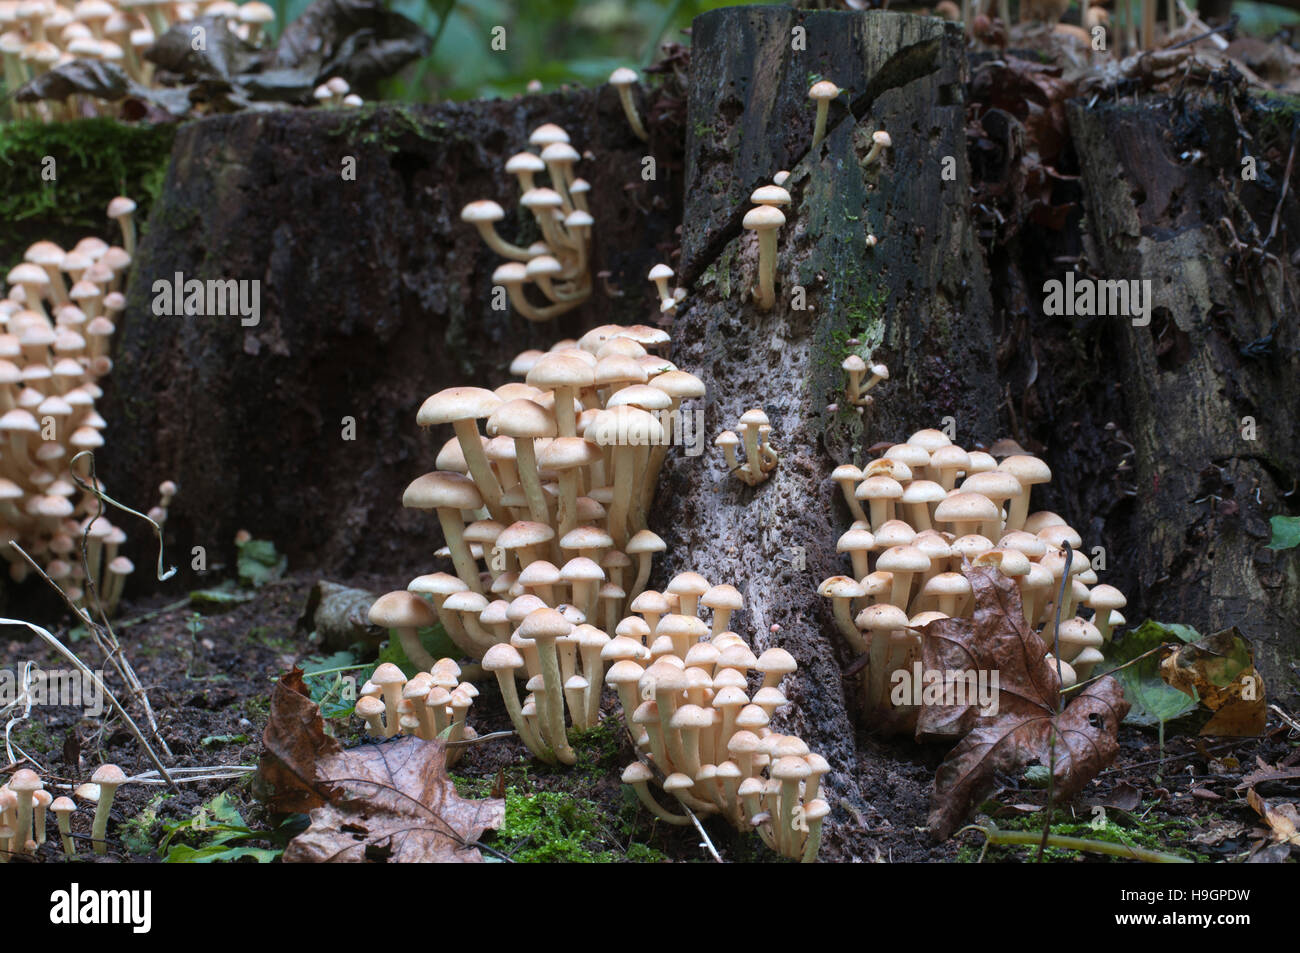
(373, 295)
(919, 301)
(1210, 385)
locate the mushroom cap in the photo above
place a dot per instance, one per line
(437, 583)
(1009, 562)
(1028, 470)
(27, 273)
(484, 210)
(840, 587)
(254, 11)
(924, 491)
(457, 403)
(882, 139)
(544, 624)
(402, 609)
(776, 661)
(565, 453)
(27, 781)
(502, 657)
(853, 364)
(560, 152)
(637, 773)
(660, 271)
(763, 217)
(561, 369)
(542, 198)
(930, 439)
(688, 583)
(521, 418)
(682, 625)
(438, 490)
(855, 540)
(966, 507)
(63, 805)
(679, 384)
(623, 76)
(727, 439)
(640, 395)
(995, 484)
(879, 488)
(578, 569)
(723, 597)
(386, 673)
(618, 369)
(882, 617)
(105, 775)
(467, 600)
(824, 89)
(524, 162)
(547, 133)
(947, 584)
(625, 425)
(903, 559)
(1104, 597)
(770, 195)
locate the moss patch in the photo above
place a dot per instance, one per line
(1170, 836)
(94, 160)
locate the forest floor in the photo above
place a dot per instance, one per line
(209, 676)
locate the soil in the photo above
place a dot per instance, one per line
(210, 680)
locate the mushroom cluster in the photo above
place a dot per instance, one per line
(431, 704)
(55, 326)
(932, 508)
(760, 458)
(857, 368)
(25, 805)
(557, 491)
(39, 35)
(559, 263)
(335, 93)
(701, 722)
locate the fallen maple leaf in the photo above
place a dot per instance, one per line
(1019, 730)
(390, 802)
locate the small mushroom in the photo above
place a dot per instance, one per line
(623, 79)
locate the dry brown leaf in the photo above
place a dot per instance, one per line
(389, 802)
(1220, 671)
(395, 804)
(1021, 729)
(1283, 819)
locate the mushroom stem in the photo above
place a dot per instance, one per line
(414, 649)
(554, 686)
(624, 459)
(767, 268)
(819, 128)
(453, 530)
(499, 245)
(471, 445)
(668, 817)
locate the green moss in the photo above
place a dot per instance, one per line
(1170, 835)
(94, 160)
(33, 737)
(558, 827)
(386, 126)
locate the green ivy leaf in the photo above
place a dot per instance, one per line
(1286, 532)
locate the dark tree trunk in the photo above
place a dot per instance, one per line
(374, 295)
(919, 301)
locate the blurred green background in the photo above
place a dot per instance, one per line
(551, 41)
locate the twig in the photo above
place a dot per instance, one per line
(1027, 838)
(1286, 182)
(86, 671)
(112, 651)
(708, 844)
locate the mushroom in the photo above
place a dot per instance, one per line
(64, 808)
(821, 93)
(483, 215)
(407, 613)
(448, 494)
(109, 777)
(880, 141)
(623, 79)
(765, 220)
(122, 210)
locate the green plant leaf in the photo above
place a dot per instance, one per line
(1153, 701)
(218, 853)
(1286, 532)
(214, 740)
(258, 562)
